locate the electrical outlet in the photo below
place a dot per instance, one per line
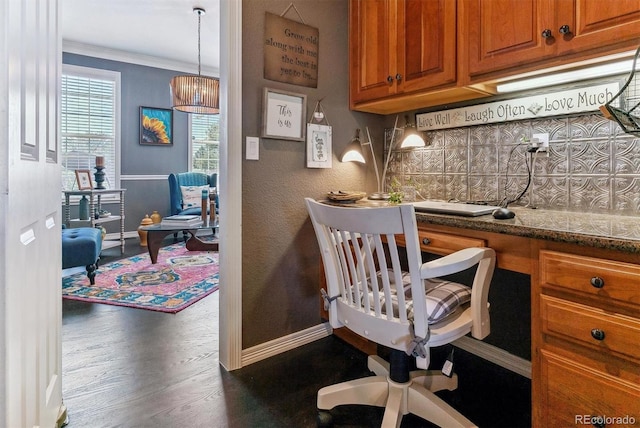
(540, 142)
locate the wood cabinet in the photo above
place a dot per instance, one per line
(401, 49)
(509, 35)
(587, 358)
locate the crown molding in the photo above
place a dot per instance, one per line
(135, 58)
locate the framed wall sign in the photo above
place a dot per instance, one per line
(283, 115)
(83, 178)
(318, 146)
(156, 126)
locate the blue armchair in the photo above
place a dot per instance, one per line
(188, 179)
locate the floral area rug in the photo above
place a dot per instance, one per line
(179, 279)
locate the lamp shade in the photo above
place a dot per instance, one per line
(411, 138)
(353, 151)
(195, 94)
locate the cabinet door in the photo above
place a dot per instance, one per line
(573, 395)
(506, 33)
(426, 44)
(597, 24)
(372, 33)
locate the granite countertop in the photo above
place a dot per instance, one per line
(614, 232)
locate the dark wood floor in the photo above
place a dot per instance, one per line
(127, 367)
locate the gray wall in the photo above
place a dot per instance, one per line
(280, 254)
(148, 87)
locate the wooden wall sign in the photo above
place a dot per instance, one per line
(290, 51)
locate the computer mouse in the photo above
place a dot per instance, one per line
(503, 213)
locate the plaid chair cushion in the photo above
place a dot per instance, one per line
(443, 297)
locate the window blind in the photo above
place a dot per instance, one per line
(205, 143)
(88, 125)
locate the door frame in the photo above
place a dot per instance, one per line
(231, 184)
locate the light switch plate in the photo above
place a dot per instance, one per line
(253, 148)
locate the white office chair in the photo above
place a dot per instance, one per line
(362, 265)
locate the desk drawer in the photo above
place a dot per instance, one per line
(597, 277)
(573, 393)
(595, 328)
(444, 243)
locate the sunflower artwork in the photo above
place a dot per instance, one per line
(155, 126)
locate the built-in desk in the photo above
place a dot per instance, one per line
(585, 297)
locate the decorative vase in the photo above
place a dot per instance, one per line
(146, 221)
(156, 217)
(83, 208)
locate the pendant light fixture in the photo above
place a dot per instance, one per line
(196, 94)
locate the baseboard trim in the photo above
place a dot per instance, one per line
(495, 355)
(283, 344)
(480, 349)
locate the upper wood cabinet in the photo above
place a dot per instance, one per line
(400, 47)
(507, 34)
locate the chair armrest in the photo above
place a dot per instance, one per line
(175, 195)
(455, 262)
(485, 258)
(213, 180)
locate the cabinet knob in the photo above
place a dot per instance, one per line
(597, 282)
(390, 79)
(398, 77)
(598, 421)
(426, 241)
(546, 34)
(597, 334)
(565, 29)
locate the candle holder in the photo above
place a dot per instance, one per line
(99, 175)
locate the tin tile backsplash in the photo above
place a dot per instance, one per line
(592, 165)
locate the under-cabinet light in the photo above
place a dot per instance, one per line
(566, 77)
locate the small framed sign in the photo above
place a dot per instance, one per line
(318, 146)
(83, 178)
(283, 115)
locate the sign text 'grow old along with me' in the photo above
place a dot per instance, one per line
(290, 51)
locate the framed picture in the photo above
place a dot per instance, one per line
(318, 146)
(156, 125)
(83, 178)
(283, 115)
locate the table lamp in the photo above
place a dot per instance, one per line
(353, 152)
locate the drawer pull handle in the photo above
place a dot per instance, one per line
(597, 334)
(597, 282)
(426, 241)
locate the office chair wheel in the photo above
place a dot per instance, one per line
(325, 419)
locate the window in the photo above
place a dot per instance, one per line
(204, 155)
(90, 116)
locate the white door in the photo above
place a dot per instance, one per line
(30, 204)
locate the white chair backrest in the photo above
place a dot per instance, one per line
(364, 273)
